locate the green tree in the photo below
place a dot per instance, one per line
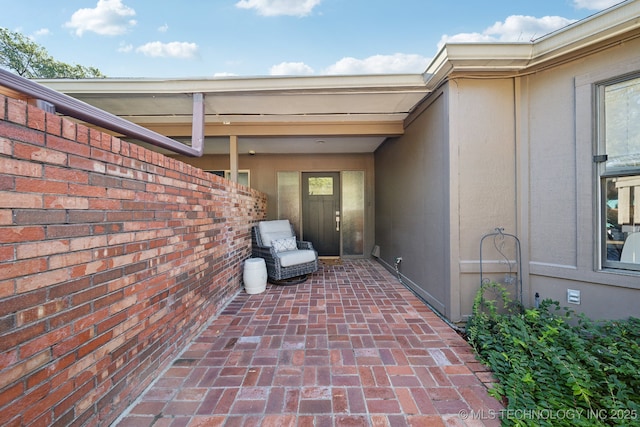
(30, 60)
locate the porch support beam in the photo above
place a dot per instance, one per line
(197, 123)
(233, 157)
(285, 129)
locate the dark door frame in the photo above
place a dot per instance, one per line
(321, 214)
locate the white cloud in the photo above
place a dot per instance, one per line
(125, 47)
(108, 18)
(466, 38)
(380, 64)
(516, 28)
(526, 28)
(594, 4)
(42, 32)
(279, 7)
(291, 69)
(169, 50)
(224, 74)
(164, 28)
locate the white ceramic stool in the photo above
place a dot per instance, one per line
(255, 275)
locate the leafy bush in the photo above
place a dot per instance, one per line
(556, 367)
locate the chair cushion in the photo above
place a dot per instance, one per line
(274, 230)
(302, 256)
(286, 244)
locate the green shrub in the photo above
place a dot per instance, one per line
(555, 367)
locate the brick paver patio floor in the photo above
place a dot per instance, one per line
(349, 347)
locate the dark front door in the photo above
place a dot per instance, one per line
(321, 211)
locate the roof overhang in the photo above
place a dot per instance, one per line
(348, 113)
(611, 26)
(335, 113)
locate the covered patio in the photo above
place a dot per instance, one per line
(351, 346)
(121, 266)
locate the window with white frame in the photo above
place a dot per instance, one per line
(619, 172)
(244, 176)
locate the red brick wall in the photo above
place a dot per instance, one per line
(112, 257)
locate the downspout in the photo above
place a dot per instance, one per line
(75, 108)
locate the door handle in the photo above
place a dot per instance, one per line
(337, 220)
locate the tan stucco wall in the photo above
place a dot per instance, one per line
(559, 215)
(264, 168)
(456, 168)
(483, 163)
(514, 153)
(522, 154)
(412, 203)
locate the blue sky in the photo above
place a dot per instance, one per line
(208, 38)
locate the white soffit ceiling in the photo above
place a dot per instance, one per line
(331, 100)
(179, 107)
(287, 145)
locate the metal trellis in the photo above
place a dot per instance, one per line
(512, 277)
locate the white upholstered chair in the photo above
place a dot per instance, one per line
(285, 256)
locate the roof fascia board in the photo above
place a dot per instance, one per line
(143, 120)
(601, 26)
(356, 83)
(518, 57)
(389, 128)
(476, 57)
